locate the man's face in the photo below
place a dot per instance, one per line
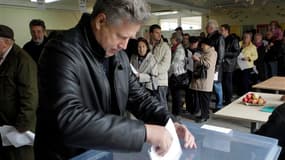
(194, 45)
(3, 46)
(257, 38)
(155, 35)
(209, 29)
(113, 37)
(37, 33)
(186, 40)
(224, 32)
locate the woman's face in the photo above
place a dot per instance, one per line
(257, 38)
(173, 41)
(142, 48)
(246, 38)
(205, 47)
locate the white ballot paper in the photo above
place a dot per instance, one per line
(134, 70)
(241, 63)
(216, 76)
(11, 136)
(175, 150)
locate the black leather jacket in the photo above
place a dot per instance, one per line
(219, 43)
(76, 110)
(232, 50)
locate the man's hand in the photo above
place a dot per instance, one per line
(184, 133)
(159, 137)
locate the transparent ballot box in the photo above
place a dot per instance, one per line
(212, 145)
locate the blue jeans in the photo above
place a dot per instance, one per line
(160, 94)
(218, 89)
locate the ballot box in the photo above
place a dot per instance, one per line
(213, 144)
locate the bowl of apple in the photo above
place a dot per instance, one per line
(253, 99)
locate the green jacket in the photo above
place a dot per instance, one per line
(18, 90)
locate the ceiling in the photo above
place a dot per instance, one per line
(158, 5)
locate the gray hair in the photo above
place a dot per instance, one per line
(214, 24)
(134, 11)
(177, 36)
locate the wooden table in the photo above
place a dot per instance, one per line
(274, 83)
(237, 110)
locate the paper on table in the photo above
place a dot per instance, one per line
(242, 63)
(217, 129)
(175, 150)
(11, 136)
(134, 70)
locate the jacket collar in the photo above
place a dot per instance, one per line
(212, 34)
(85, 26)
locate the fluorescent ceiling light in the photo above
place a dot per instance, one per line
(45, 1)
(162, 13)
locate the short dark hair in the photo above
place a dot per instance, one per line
(227, 27)
(153, 27)
(194, 39)
(37, 22)
(179, 29)
(141, 39)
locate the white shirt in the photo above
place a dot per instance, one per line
(5, 55)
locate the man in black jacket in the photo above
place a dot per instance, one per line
(35, 46)
(229, 63)
(218, 42)
(85, 85)
(275, 128)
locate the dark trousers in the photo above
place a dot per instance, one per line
(261, 68)
(190, 106)
(227, 83)
(201, 100)
(244, 82)
(12, 153)
(177, 94)
(161, 95)
(281, 66)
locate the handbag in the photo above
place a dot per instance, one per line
(200, 72)
(181, 80)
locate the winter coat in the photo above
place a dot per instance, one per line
(207, 59)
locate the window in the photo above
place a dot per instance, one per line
(191, 23)
(168, 24)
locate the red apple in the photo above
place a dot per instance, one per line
(249, 96)
(249, 101)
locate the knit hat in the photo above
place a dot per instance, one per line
(207, 41)
(6, 32)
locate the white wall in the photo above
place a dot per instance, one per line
(18, 19)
